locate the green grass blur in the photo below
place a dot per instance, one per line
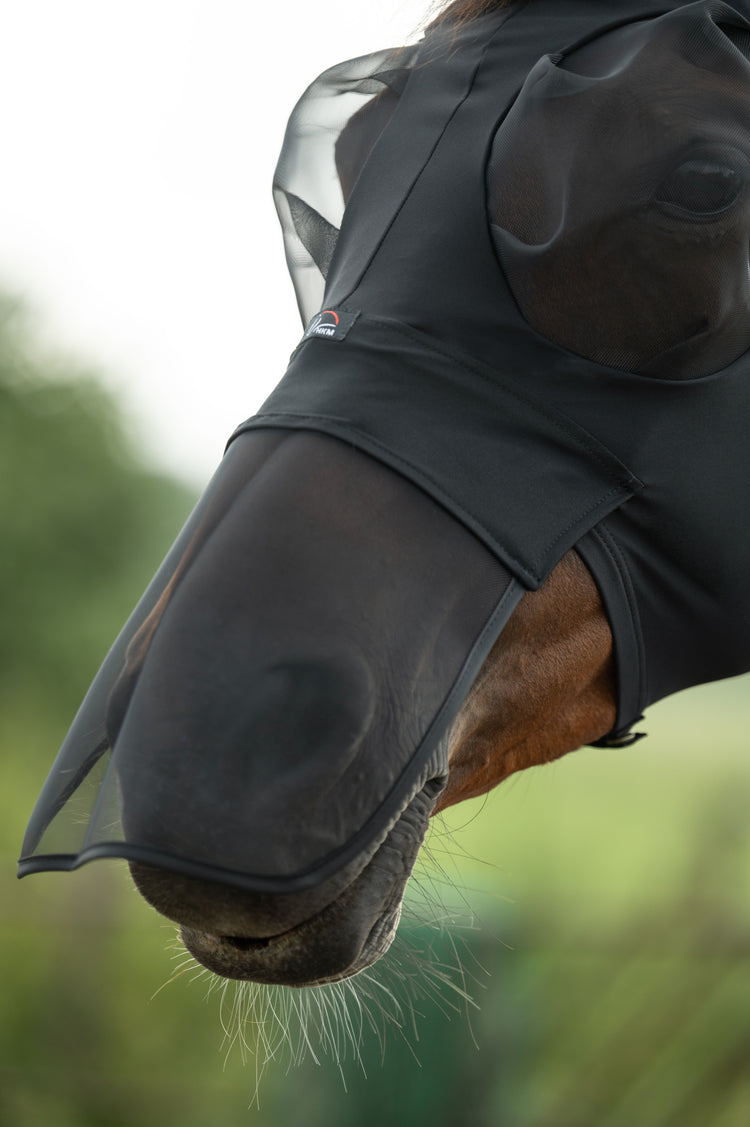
(601, 903)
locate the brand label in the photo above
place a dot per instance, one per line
(330, 324)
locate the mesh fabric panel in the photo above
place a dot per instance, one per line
(619, 196)
(304, 647)
(328, 138)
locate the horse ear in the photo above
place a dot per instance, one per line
(329, 137)
(360, 133)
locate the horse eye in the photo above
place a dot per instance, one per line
(701, 187)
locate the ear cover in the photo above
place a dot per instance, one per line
(330, 135)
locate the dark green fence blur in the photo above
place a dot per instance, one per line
(609, 950)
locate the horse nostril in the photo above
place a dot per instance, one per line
(242, 943)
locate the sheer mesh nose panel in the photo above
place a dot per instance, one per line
(619, 195)
(303, 648)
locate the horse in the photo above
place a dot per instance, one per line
(381, 609)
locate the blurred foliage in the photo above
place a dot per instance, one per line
(610, 956)
(81, 517)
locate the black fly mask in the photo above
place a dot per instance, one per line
(521, 249)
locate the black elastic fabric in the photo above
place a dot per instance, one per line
(520, 252)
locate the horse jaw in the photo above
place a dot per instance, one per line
(523, 713)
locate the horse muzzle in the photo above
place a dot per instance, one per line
(236, 934)
(268, 737)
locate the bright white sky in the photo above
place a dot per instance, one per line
(139, 139)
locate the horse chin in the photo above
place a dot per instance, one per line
(330, 933)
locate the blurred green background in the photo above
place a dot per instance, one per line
(601, 903)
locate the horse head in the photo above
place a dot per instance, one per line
(476, 526)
